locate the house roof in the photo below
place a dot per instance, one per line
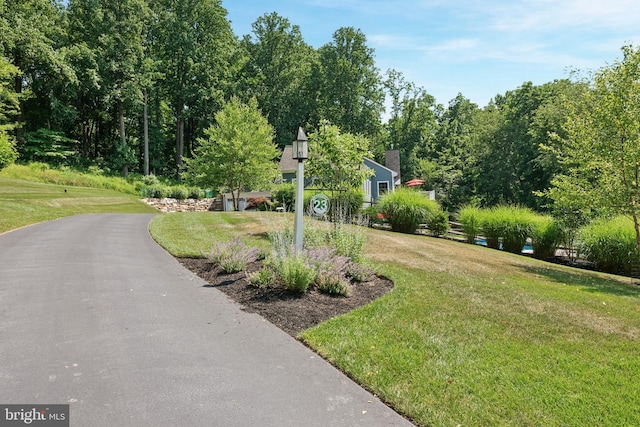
(393, 173)
(287, 163)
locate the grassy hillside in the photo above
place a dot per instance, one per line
(473, 336)
(25, 202)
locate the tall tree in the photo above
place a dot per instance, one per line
(29, 32)
(351, 94)
(195, 47)
(601, 150)
(115, 32)
(412, 123)
(9, 105)
(280, 64)
(237, 153)
(451, 168)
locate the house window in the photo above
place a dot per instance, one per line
(383, 188)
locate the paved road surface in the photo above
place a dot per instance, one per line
(95, 314)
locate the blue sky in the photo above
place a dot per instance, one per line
(479, 48)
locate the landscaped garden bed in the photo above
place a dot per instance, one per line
(291, 311)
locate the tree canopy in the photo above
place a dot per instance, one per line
(601, 149)
(132, 85)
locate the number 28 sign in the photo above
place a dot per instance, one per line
(320, 204)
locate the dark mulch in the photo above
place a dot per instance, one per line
(290, 311)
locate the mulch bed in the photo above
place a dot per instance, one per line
(292, 312)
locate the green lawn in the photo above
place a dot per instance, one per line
(24, 202)
(472, 336)
(469, 336)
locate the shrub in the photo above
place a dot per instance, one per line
(438, 223)
(405, 209)
(150, 180)
(285, 194)
(8, 152)
(348, 241)
(518, 225)
(51, 147)
(259, 203)
(546, 236)
(264, 278)
(179, 192)
(358, 273)
(330, 268)
(295, 273)
(346, 205)
(196, 193)
(471, 218)
(157, 192)
(512, 224)
(610, 244)
(373, 215)
(232, 256)
(332, 284)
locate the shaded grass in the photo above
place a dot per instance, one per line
(474, 336)
(23, 202)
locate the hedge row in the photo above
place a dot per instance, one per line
(509, 227)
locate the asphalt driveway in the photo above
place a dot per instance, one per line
(93, 313)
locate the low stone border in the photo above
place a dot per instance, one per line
(174, 205)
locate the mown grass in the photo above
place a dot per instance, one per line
(474, 336)
(25, 202)
(43, 173)
(189, 234)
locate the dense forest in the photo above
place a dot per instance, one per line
(130, 85)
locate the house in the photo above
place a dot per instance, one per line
(384, 179)
(289, 166)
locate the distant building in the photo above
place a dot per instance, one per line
(384, 179)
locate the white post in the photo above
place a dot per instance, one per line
(299, 206)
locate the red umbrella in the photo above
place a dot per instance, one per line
(414, 182)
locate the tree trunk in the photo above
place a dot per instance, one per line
(179, 145)
(18, 81)
(123, 139)
(145, 119)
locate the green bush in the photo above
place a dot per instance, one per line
(8, 153)
(196, 193)
(358, 273)
(157, 192)
(471, 219)
(179, 192)
(264, 278)
(348, 241)
(150, 180)
(295, 273)
(332, 284)
(610, 244)
(346, 205)
(405, 209)
(438, 223)
(546, 236)
(284, 195)
(51, 147)
(511, 224)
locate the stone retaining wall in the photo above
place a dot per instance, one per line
(174, 205)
